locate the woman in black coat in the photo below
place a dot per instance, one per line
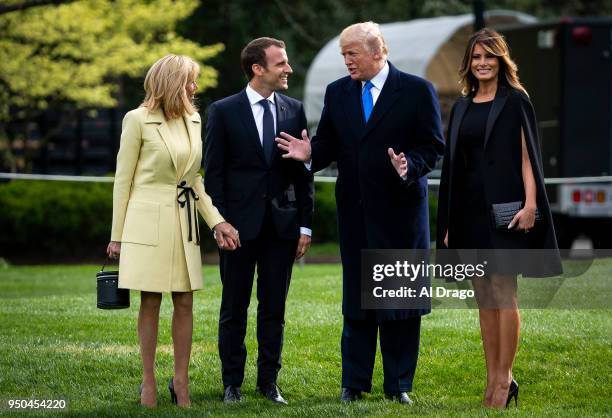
(492, 156)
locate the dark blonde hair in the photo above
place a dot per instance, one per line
(495, 44)
(368, 34)
(165, 85)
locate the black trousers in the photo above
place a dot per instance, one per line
(399, 345)
(273, 257)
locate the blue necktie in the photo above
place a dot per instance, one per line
(268, 131)
(367, 100)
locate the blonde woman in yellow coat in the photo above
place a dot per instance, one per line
(157, 195)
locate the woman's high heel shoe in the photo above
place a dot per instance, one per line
(173, 393)
(513, 392)
(140, 389)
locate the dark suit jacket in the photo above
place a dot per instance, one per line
(376, 208)
(239, 180)
(501, 171)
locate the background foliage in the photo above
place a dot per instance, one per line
(307, 25)
(45, 221)
(79, 55)
(92, 54)
(64, 221)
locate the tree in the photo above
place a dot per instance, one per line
(76, 54)
(22, 5)
(307, 25)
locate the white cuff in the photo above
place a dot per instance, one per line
(304, 230)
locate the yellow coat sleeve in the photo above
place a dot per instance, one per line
(206, 208)
(127, 159)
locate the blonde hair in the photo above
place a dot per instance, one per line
(165, 84)
(366, 33)
(495, 44)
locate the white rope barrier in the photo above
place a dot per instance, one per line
(319, 179)
(54, 177)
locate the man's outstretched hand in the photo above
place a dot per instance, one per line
(297, 149)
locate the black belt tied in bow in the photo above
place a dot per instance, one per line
(186, 194)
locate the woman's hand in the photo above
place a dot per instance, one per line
(113, 250)
(524, 220)
(446, 239)
(226, 236)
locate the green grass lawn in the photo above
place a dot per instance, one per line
(55, 344)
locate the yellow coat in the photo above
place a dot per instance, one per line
(145, 202)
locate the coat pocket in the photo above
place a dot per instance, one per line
(141, 223)
(412, 195)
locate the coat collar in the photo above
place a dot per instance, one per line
(192, 123)
(245, 114)
(501, 96)
(157, 116)
(390, 92)
(281, 120)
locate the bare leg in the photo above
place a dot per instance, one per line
(505, 290)
(182, 330)
(489, 331)
(148, 321)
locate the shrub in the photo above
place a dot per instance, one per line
(67, 221)
(47, 220)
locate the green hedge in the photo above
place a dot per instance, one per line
(325, 225)
(49, 220)
(52, 221)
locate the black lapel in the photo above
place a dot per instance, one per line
(281, 119)
(246, 116)
(462, 106)
(501, 95)
(390, 93)
(353, 107)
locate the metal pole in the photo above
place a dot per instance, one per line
(479, 21)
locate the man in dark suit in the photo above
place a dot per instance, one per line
(270, 202)
(381, 196)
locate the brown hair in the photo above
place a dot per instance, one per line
(165, 85)
(495, 44)
(255, 53)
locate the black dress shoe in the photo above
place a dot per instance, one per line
(232, 394)
(401, 397)
(350, 395)
(271, 392)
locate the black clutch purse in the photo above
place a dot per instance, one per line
(109, 294)
(503, 213)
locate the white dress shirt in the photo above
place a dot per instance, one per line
(378, 81)
(258, 112)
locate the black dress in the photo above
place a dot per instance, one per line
(476, 175)
(471, 212)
